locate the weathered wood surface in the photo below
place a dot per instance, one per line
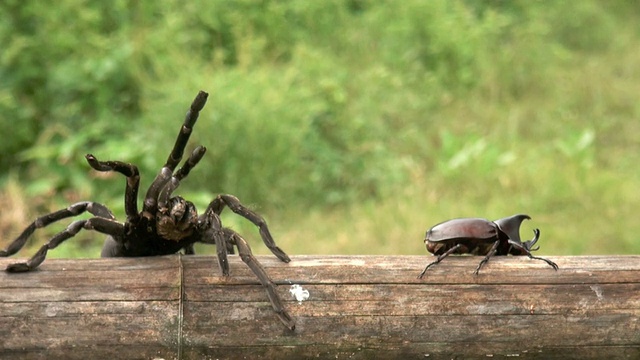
(360, 307)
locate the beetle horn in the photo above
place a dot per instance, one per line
(529, 244)
(510, 226)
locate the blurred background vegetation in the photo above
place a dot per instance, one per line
(351, 125)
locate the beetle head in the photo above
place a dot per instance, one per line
(510, 226)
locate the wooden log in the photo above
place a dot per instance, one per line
(359, 307)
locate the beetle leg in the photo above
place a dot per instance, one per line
(526, 251)
(440, 258)
(491, 252)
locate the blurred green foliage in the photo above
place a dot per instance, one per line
(405, 113)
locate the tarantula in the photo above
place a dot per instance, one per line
(166, 223)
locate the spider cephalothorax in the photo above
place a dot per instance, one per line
(166, 224)
(177, 220)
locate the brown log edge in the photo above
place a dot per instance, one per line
(359, 307)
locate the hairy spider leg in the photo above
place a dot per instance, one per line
(247, 256)
(100, 224)
(187, 127)
(491, 252)
(93, 208)
(218, 204)
(133, 182)
(174, 182)
(212, 225)
(440, 258)
(150, 205)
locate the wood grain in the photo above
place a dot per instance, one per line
(360, 307)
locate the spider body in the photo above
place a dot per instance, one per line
(166, 224)
(173, 229)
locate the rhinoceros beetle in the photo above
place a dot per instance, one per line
(479, 236)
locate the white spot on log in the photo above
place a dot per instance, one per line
(299, 293)
(52, 310)
(598, 290)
